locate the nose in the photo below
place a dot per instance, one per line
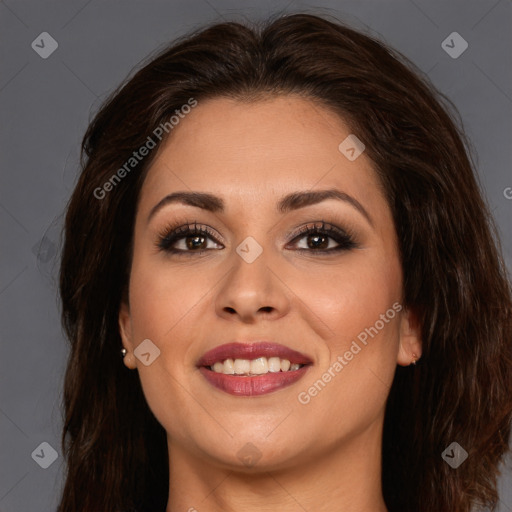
(252, 291)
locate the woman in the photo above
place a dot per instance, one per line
(281, 230)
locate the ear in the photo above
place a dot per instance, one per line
(125, 330)
(410, 338)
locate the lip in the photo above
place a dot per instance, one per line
(252, 385)
(237, 350)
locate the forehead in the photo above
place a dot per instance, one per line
(251, 151)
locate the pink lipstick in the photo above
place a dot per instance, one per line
(276, 366)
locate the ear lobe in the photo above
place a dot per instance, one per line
(125, 330)
(410, 338)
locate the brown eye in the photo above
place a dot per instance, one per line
(324, 238)
(186, 239)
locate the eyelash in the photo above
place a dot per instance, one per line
(170, 235)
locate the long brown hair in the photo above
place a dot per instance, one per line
(454, 275)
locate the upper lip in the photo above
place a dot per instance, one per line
(239, 350)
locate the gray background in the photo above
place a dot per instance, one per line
(45, 105)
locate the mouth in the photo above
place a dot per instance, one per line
(252, 369)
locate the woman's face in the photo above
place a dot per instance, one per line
(253, 274)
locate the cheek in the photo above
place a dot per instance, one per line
(361, 306)
(351, 297)
(162, 303)
(161, 295)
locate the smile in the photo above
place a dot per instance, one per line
(253, 369)
(260, 366)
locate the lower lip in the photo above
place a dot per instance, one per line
(252, 386)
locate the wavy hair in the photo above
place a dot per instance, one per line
(454, 275)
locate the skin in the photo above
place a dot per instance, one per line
(323, 455)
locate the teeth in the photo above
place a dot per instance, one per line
(228, 367)
(242, 366)
(274, 364)
(218, 367)
(258, 366)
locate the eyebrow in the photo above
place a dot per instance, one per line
(288, 203)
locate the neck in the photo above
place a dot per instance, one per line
(347, 478)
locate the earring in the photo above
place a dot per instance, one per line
(123, 352)
(414, 359)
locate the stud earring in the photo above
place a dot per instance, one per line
(414, 359)
(123, 352)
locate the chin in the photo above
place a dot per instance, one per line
(253, 451)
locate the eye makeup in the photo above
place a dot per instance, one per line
(320, 237)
